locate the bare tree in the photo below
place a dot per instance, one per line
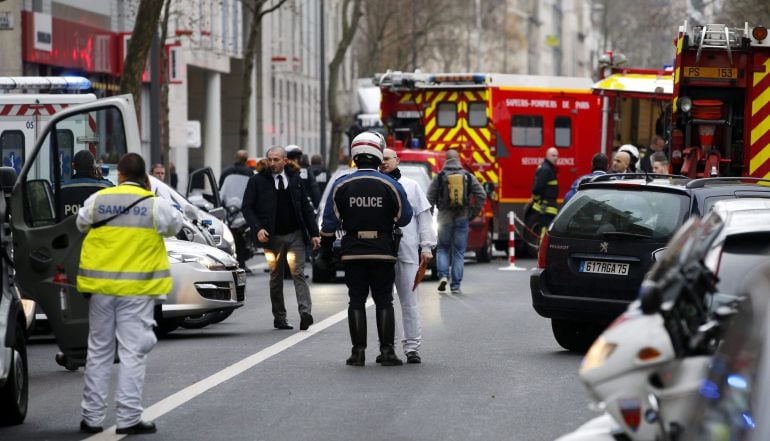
(643, 30)
(145, 26)
(258, 10)
(405, 35)
(736, 12)
(350, 16)
(164, 109)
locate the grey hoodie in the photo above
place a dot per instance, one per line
(449, 215)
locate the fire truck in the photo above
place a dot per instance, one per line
(501, 125)
(721, 108)
(636, 102)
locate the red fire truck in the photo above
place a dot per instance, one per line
(636, 102)
(721, 109)
(501, 125)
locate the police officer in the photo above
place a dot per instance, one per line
(545, 190)
(124, 267)
(367, 204)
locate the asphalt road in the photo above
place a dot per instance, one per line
(491, 371)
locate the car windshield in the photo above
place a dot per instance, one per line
(161, 189)
(606, 213)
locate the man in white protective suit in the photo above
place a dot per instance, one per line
(415, 248)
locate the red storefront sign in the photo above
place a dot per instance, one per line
(72, 45)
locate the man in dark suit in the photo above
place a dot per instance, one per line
(277, 208)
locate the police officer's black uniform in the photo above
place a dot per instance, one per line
(367, 204)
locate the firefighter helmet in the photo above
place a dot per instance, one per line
(368, 144)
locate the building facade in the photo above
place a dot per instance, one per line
(205, 44)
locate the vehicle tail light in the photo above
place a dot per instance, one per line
(542, 252)
(631, 410)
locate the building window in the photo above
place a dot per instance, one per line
(477, 114)
(447, 114)
(526, 131)
(562, 131)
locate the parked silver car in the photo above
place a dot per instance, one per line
(205, 280)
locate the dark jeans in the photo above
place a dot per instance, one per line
(452, 241)
(361, 276)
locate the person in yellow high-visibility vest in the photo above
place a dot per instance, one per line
(123, 269)
(545, 190)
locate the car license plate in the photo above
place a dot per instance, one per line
(240, 278)
(597, 267)
(718, 73)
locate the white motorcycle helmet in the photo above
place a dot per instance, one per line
(369, 144)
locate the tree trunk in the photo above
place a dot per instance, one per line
(253, 50)
(164, 108)
(335, 116)
(145, 25)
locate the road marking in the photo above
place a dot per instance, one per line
(173, 401)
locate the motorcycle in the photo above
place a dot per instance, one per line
(232, 192)
(645, 369)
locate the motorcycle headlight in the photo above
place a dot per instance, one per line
(201, 259)
(596, 356)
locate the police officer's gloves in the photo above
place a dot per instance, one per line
(325, 260)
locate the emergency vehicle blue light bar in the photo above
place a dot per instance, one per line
(458, 78)
(45, 83)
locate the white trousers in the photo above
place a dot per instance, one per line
(130, 320)
(410, 310)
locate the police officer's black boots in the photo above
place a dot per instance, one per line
(357, 325)
(386, 324)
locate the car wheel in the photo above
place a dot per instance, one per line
(164, 326)
(484, 254)
(574, 336)
(14, 395)
(321, 276)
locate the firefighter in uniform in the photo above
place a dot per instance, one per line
(545, 190)
(124, 268)
(367, 205)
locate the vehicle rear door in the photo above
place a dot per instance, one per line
(46, 240)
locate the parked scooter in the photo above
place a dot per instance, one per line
(233, 188)
(646, 367)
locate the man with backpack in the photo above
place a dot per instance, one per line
(459, 197)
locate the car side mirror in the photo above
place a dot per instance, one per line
(7, 179)
(218, 213)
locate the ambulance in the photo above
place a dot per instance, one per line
(26, 103)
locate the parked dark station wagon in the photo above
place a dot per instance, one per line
(599, 247)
